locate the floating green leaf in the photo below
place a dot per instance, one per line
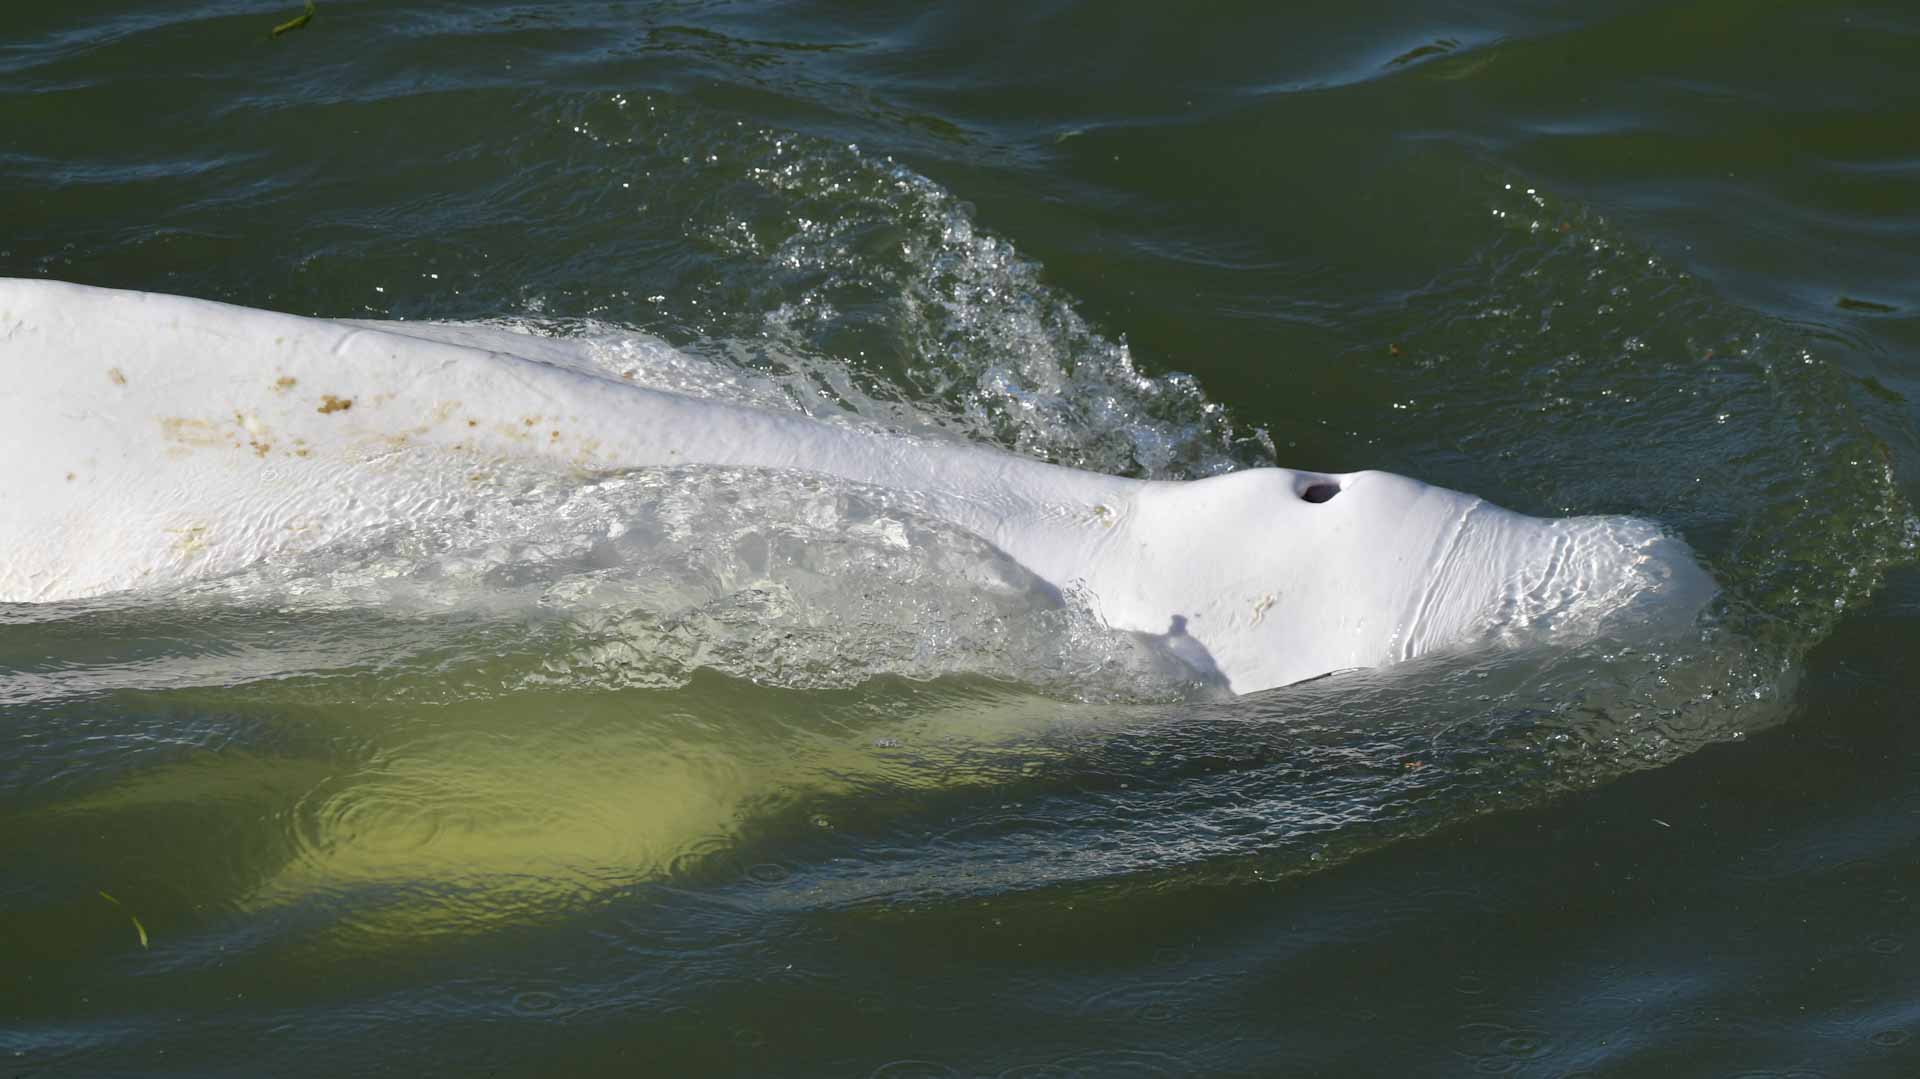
(137, 927)
(294, 23)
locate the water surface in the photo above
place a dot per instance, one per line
(789, 781)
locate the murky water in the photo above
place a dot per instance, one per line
(701, 770)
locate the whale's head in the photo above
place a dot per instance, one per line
(1283, 575)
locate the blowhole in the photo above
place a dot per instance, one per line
(1320, 492)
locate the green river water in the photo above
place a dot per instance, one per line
(796, 795)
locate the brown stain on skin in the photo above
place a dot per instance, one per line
(186, 432)
(114, 376)
(553, 436)
(256, 434)
(69, 477)
(330, 403)
(584, 457)
(473, 423)
(285, 383)
(193, 540)
(530, 420)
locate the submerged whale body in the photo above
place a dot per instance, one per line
(155, 439)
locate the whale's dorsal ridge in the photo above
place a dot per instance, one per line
(161, 439)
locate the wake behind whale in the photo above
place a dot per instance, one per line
(173, 440)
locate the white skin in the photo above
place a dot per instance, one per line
(155, 439)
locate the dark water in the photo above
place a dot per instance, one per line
(1658, 259)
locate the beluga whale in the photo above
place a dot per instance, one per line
(152, 440)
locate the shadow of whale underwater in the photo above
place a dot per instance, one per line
(157, 439)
